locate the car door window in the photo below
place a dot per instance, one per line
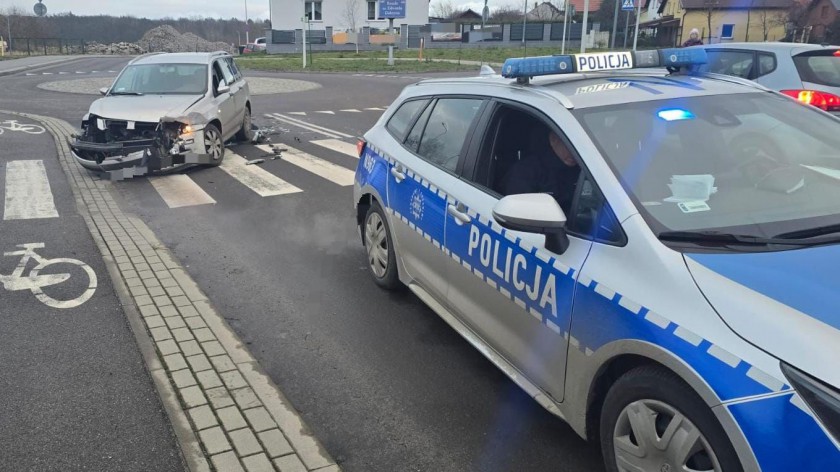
(766, 64)
(737, 63)
(218, 78)
(446, 131)
(226, 73)
(413, 139)
(231, 67)
(403, 117)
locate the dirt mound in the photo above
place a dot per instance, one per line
(161, 39)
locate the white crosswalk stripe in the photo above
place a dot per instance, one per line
(179, 190)
(330, 133)
(264, 183)
(28, 192)
(338, 146)
(334, 173)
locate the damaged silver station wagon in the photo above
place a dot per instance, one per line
(165, 110)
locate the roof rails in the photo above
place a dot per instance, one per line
(148, 54)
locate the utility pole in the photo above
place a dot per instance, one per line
(9, 27)
(615, 25)
(247, 26)
(524, 21)
(565, 21)
(638, 16)
(303, 34)
(585, 19)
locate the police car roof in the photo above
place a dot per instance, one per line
(594, 89)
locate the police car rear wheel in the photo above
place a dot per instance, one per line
(380, 251)
(653, 421)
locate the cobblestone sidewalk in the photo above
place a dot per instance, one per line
(226, 413)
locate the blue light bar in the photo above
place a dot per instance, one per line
(526, 67)
(675, 114)
(677, 57)
(537, 66)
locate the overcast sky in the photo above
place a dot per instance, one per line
(185, 8)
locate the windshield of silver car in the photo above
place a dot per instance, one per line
(756, 164)
(162, 79)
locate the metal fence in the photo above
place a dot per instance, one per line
(46, 46)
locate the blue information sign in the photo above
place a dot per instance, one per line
(627, 5)
(392, 8)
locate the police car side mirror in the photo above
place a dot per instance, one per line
(103, 91)
(534, 213)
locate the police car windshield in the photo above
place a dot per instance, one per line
(752, 164)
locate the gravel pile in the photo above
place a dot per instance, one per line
(163, 38)
(168, 39)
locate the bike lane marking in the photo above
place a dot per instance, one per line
(34, 282)
(28, 192)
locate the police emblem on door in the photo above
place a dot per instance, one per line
(417, 204)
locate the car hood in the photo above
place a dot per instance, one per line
(786, 303)
(146, 108)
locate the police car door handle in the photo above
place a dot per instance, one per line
(398, 174)
(461, 218)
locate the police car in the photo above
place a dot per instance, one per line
(651, 253)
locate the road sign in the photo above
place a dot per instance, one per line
(627, 5)
(40, 8)
(392, 8)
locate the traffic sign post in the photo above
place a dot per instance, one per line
(391, 9)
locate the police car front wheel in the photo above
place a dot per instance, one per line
(652, 421)
(380, 250)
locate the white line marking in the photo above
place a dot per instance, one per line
(351, 110)
(63, 73)
(79, 72)
(334, 173)
(302, 126)
(94, 72)
(375, 109)
(179, 190)
(300, 113)
(28, 192)
(30, 73)
(261, 181)
(112, 71)
(46, 73)
(322, 128)
(326, 112)
(339, 146)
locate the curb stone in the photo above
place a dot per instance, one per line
(229, 377)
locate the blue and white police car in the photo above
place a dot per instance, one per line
(653, 255)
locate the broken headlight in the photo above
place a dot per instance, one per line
(823, 399)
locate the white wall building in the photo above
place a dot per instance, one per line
(287, 14)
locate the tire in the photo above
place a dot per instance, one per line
(214, 145)
(382, 260)
(656, 399)
(245, 133)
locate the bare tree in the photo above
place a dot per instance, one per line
(351, 18)
(445, 9)
(506, 14)
(709, 7)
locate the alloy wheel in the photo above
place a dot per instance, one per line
(213, 144)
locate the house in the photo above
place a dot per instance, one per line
(287, 15)
(555, 11)
(820, 14)
(721, 21)
(467, 16)
(661, 20)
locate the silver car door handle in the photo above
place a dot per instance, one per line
(398, 174)
(460, 217)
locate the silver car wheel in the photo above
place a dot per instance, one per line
(213, 144)
(653, 436)
(376, 242)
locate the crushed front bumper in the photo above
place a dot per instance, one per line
(126, 159)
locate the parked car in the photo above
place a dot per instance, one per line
(165, 110)
(616, 242)
(807, 72)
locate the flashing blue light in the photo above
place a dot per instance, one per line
(536, 66)
(683, 57)
(675, 114)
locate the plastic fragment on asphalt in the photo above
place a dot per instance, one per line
(255, 161)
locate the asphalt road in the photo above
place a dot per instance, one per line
(381, 380)
(75, 392)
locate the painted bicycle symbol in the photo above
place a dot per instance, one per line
(34, 282)
(13, 125)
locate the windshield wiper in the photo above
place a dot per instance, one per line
(138, 94)
(717, 237)
(810, 232)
